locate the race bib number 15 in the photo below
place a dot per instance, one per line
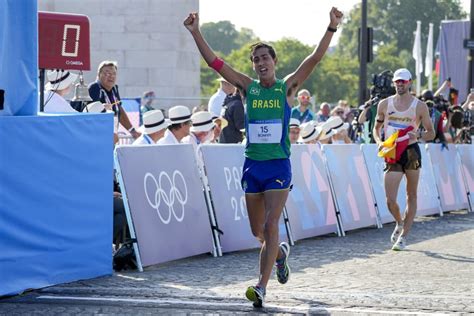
(265, 131)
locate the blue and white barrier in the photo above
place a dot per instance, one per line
(336, 189)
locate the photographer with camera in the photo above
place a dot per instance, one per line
(469, 103)
(367, 113)
(437, 118)
(461, 124)
(458, 127)
(400, 115)
(382, 87)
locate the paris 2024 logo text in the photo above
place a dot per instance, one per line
(167, 195)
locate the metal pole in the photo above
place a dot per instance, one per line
(470, 76)
(419, 61)
(430, 64)
(363, 55)
(128, 213)
(41, 90)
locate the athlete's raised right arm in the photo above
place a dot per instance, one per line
(234, 77)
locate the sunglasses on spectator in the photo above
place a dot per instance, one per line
(401, 81)
(339, 112)
(304, 97)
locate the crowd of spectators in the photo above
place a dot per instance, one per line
(222, 120)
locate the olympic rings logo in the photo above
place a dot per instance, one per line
(172, 192)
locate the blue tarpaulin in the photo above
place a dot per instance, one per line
(19, 56)
(55, 199)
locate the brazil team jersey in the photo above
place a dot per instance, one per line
(266, 124)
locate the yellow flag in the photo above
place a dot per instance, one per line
(388, 147)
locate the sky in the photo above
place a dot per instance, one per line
(305, 20)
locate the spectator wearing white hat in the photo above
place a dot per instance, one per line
(340, 130)
(202, 129)
(153, 128)
(59, 85)
(217, 99)
(221, 123)
(180, 124)
(327, 131)
(294, 130)
(309, 133)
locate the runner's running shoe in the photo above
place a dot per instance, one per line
(400, 244)
(255, 294)
(282, 268)
(396, 232)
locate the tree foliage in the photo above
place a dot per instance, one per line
(221, 36)
(336, 77)
(394, 22)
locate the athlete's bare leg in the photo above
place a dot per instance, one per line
(256, 211)
(266, 226)
(412, 187)
(392, 181)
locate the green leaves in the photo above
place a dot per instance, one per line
(336, 77)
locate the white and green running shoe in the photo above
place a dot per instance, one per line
(400, 245)
(282, 268)
(396, 232)
(256, 295)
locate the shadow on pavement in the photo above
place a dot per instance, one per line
(205, 277)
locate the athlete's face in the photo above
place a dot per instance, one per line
(402, 86)
(263, 63)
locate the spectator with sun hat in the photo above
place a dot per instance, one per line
(58, 86)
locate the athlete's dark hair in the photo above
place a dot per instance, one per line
(258, 45)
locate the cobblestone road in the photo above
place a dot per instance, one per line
(356, 274)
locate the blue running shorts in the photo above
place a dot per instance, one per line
(261, 176)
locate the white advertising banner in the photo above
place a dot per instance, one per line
(223, 163)
(375, 166)
(466, 153)
(310, 204)
(351, 184)
(448, 175)
(166, 201)
(427, 193)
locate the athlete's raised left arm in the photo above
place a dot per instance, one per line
(296, 79)
(423, 114)
(236, 78)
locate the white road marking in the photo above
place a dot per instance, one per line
(130, 277)
(300, 308)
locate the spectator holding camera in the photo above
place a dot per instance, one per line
(368, 114)
(468, 105)
(437, 118)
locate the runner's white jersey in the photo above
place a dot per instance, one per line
(395, 120)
